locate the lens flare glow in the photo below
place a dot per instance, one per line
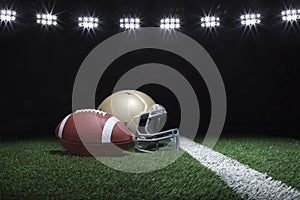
(290, 15)
(46, 19)
(170, 23)
(8, 15)
(250, 19)
(88, 22)
(130, 23)
(210, 21)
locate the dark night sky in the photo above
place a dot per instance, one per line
(260, 68)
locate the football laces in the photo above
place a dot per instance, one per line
(91, 111)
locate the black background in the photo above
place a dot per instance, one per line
(260, 67)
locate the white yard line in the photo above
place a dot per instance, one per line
(246, 182)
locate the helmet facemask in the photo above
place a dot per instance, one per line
(157, 117)
(149, 128)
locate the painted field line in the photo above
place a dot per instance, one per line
(246, 182)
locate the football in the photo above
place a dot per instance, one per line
(92, 132)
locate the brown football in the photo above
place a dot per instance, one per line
(92, 132)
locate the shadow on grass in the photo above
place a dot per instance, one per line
(60, 153)
(66, 153)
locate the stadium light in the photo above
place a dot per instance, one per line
(210, 21)
(130, 23)
(88, 22)
(8, 15)
(46, 19)
(290, 15)
(250, 19)
(170, 23)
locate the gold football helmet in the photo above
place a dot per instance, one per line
(143, 117)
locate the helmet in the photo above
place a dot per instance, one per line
(142, 116)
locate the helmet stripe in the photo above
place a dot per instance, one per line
(108, 129)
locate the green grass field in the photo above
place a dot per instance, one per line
(30, 170)
(278, 157)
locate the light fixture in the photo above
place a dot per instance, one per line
(8, 15)
(88, 22)
(46, 19)
(170, 23)
(250, 19)
(130, 23)
(210, 21)
(290, 15)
